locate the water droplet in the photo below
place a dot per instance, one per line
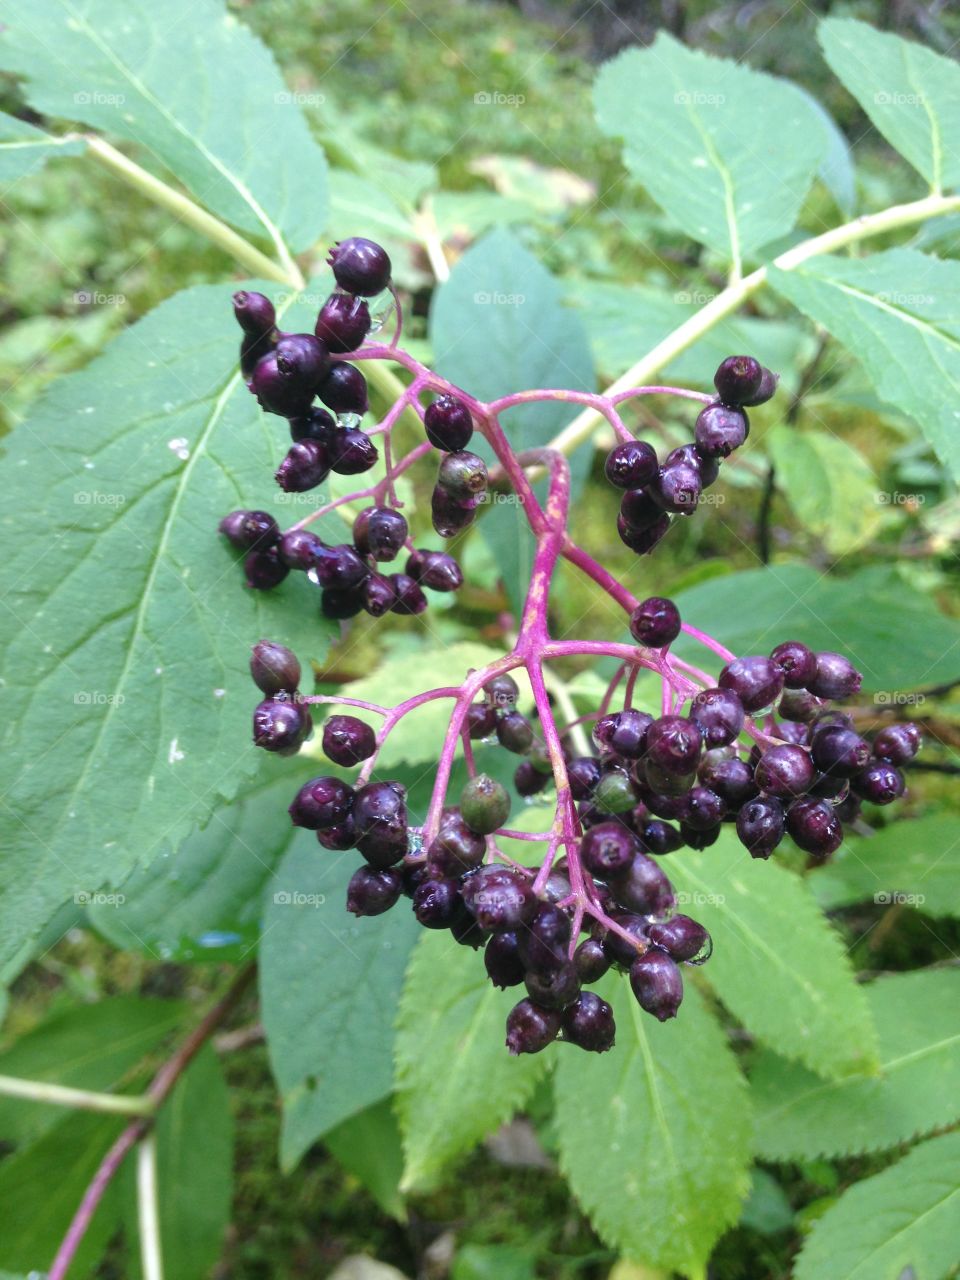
(218, 938)
(704, 954)
(312, 575)
(489, 740)
(349, 420)
(180, 446)
(218, 693)
(88, 465)
(415, 842)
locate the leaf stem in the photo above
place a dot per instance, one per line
(148, 1209)
(82, 1099)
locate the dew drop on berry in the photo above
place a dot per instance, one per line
(704, 954)
(349, 421)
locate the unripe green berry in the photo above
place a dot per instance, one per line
(484, 804)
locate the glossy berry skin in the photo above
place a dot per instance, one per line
(264, 570)
(410, 600)
(528, 780)
(252, 351)
(274, 668)
(785, 771)
(502, 691)
(481, 720)
(706, 467)
(304, 467)
(608, 849)
(718, 713)
(674, 744)
(463, 475)
(501, 959)
(720, 429)
(897, 743)
(620, 950)
(583, 774)
(379, 532)
(703, 809)
(590, 960)
(839, 752)
(299, 549)
(343, 323)
(799, 705)
(766, 391)
(530, 1028)
(450, 516)
(631, 464)
(814, 826)
(677, 488)
(448, 424)
(639, 511)
(344, 389)
(435, 902)
(250, 530)
(484, 804)
(456, 849)
(588, 1023)
(348, 741)
(316, 425)
(644, 887)
(340, 604)
(756, 681)
(255, 313)
(434, 569)
(380, 817)
(681, 937)
(373, 890)
(738, 379)
(338, 838)
(278, 390)
(321, 803)
(351, 452)
(514, 732)
(880, 783)
(797, 662)
(376, 595)
(642, 541)
(760, 825)
(339, 568)
(655, 622)
(553, 988)
(657, 984)
(836, 677)
(303, 358)
(615, 792)
(499, 898)
(281, 725)
(361, 267)
(623, 734)
(659, 837)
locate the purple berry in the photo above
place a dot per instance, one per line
(274, 668)
(880, 783)
(706, 467)
(341, 603)
(608, 849)
(303, 359)
(343, 323)
(514, 732)
(338, 838)
(410, 600)
(681, 938)
(281, 725)
(677, 488)
(839, 752)
(449, 516)
(531, 1028)
(361, 267)
(757, 682)
(344, 389)
(766, 390)
(674, 745)
(583, 774)
(316, 425)
(528, 780)
(799, 705)
(250, 530)
(703, 809)
(456, 849)
(590, 960)
(373, 890)
(304, 467)
(655, 622)
(718, 713)
(657, 984)
(784, 771)
(448, 424)
(836, 677)
(553, 988)
(797, 662)
(815, 827)
(589, 1023)
(897, 743)
(632, 464)
(481, 720)
(299, 549)
(435, 902)
(377, 595)
(643, 887)
(642, 541)
(760, 826)
(501, 959)
(499, 898)
(659, 837)
(720, 429)
(255, 313)
(348, 741)
(264, 569)
(351, 452)
(434, 569)
(339, 568)
(379, 532)
(321, 803)
(738, 379)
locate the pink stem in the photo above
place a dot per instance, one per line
(682, 392)
(709, 641)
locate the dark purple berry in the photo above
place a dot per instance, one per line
(622, 950)
(738, 379)
(681, 937)
(545, 938)
(642, 541)
(481, 720)
(361, 267)
(449, 516)
(303, 359)
(797, 662)
(897, 743)
(380, 808)
(528, 780)
(784, 771)
(379, 532)
(677, 488)
(643, 887)
(322, 803)
(639, 511)
(373, 890)
(699, 839)
(766, 390)
(608, 849)
(463, 476)
(351, 452)
(659, 837)
(702, 810)
(589, 1024)
(264, 569)
(348, 741)
(799, 705)
(340, 603)
(502, 691)
(338, 838)
(456, 849)
(623, 734)
(757, 682)
(255, 313)
(280, 724)
(252, 351)
(377, 595)
(657, 984)
(501, 959)
(344, 389)
(583, 774)
(836, 677)
(707, 468)
(448, 424)
(274, 668)
(343, 323)
(435, 902)
(484, 804)
(814, 827)
(839, 752)
(316, 425)
(553, 988)
(531, 1028)
(434, 569)
(880, 783)
(655, 622)
(499, 898)
(590, 960)
(827, 786)
(674, 745)
(632, 464)
(514, 732)
(250, 530)
(720, 429)
(760, 826)
(718, 713)
(410, 600)
(304, 467)
(299, 549)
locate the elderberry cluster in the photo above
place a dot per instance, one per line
(287, 372)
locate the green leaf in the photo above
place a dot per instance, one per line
(455, 1080)
(127, 625)
(763, 919)
(911, 863)
(891, 630)
(494, 1262)
(498, 326)
(895, 311)
(204, 902)
(901, 1222)
(41, 1188)
(194, 1173)
(910, 93)
(694, 137)
(210, 105)
(25, 148)
(800, 1116)
(767, 1208)
(662, 1166)
(329, 986)
(368, 1145)
(830, 486)
(837, 171)
(95, 1046)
